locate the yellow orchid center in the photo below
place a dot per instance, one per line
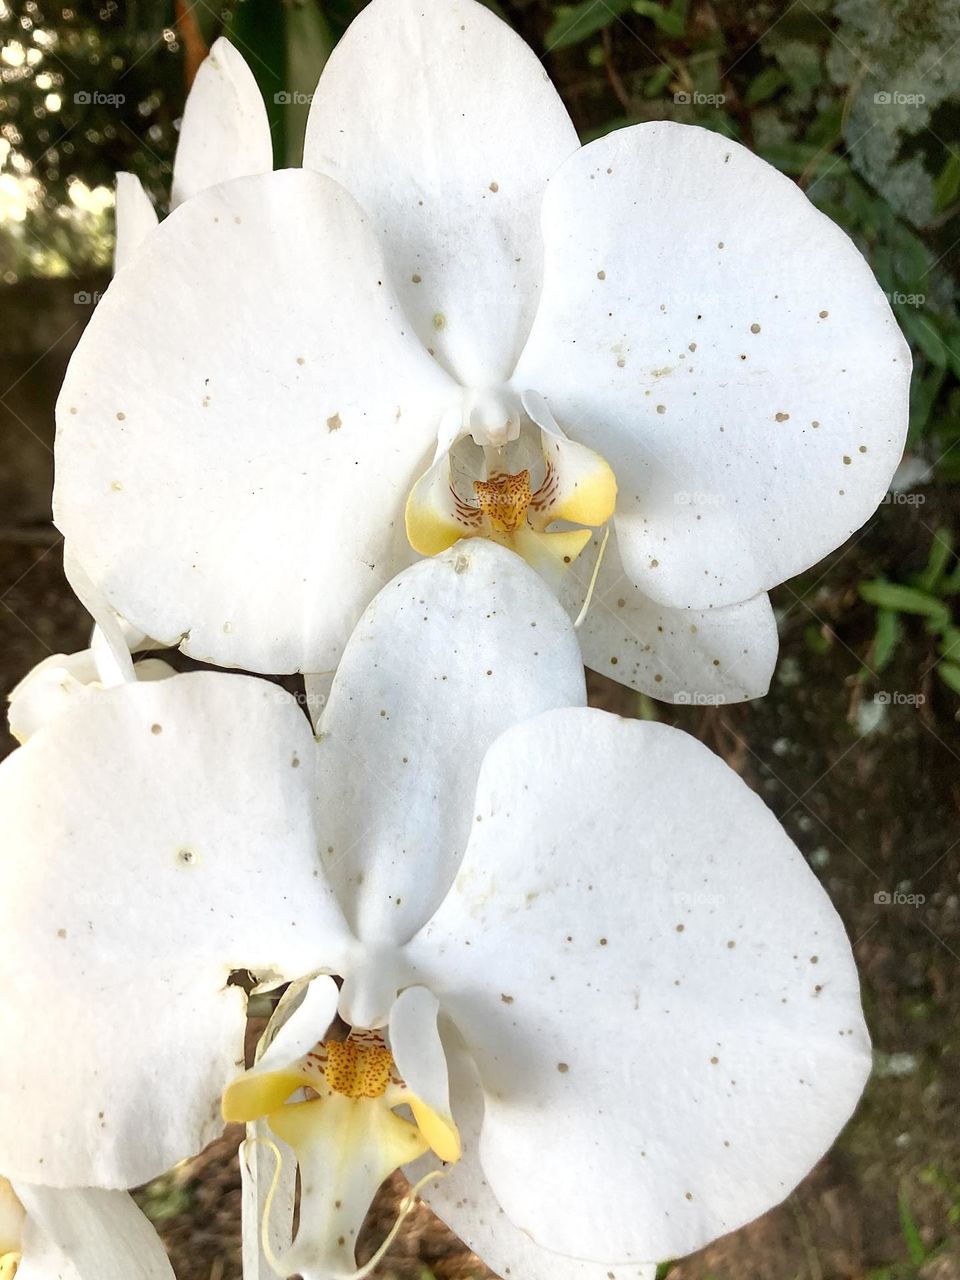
(355, 1068)
(9, 1263)
(472, 491)
(336, 1107)
(504, 499)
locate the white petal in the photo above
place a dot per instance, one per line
(113, 657)
(241, 424)
(225, 132)
(100, 1235)
(345, 1148)
(420, 1059)
(450, 654)
(699, 657)
(463, 1199)
(303, 1027)
(46, 690)
(157, 837)
(459, 131)
(671, 254)
(135, 217)
(659, 996)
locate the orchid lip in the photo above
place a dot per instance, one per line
(351, 1119)
(510, 474)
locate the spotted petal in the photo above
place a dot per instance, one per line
(458, 132)
(726, 348)
(659, 997)
(225, 132)
(235, 482)
(454, 651)
(157, 838)
(693, 657)
(464, 1201)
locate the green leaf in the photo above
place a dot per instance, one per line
(923, 331)
(949, 673)
(950, 644)
(903, 599)
(815, 640)
(911, 1234)
(671, 21)
(286, 48)
(763, 86)
(941, 549)
(924, 390)
(946, 189)
(885, 638)
(796, 158)
(575, 22)
(658, 81)
(309, 42)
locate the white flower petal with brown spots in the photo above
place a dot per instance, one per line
(592, 919)
(510, 331)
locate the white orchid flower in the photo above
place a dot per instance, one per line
(298, 361)
(224, 134)
(601, 975)
(88, 1234)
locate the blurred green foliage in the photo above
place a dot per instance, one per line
(928, 597)
(857, 100)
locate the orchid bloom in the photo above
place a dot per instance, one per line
(76, 1234)
(577, 959)
(224, 134)
(456, 321)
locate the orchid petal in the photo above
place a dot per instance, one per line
(135, 217)
(235, 483)
(225, 132)
(659, 996)
(99, 1235)
(464, 1201)
(454, 651)
(580, 485)
(699, 657)
(47, 689)
(450, 160)
(732, 357)
(345, 1148)
(157, 838)
(420, 1059)
(274, 1076)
